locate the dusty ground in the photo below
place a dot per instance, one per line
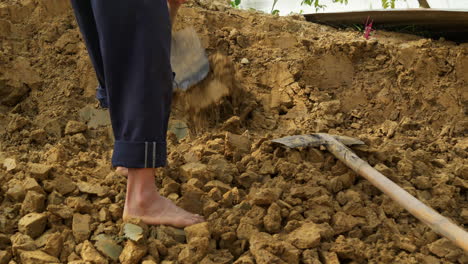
(405, 96)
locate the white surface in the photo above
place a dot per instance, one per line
(294, 6)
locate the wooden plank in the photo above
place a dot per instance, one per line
(453, 20)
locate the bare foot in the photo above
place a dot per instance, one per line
(122, 171)
(144, 202)
(161, 211)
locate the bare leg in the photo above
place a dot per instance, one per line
(144, 202)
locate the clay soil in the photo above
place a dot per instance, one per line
(405, 96)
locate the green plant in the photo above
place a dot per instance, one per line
(235, 3)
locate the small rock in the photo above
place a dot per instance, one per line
(32, 224)
(223, 187)
(5, 257)
(104, 215)
(90, 254)
(330, 258)
(9, 164)
(265, 196)
(90, 188)
(197, 230)
(193, 170)
(30, 184)
(247, 178)
(81, 227)
(195, 250)
(343, 222)
(132, 253)
(74, 127)
(37, 257)
(245, 61)
(272, 220)
(305, 237)
(20, 242)
(164, 232)
(134, 232)
(108, 247)
(39, 171)
(16, 192)
(442, 248)
(63, 185)
(156, 248)
(267, 168)
(115, 211)
(33, 203)
(218, 257)
(38, 136)
(4, 241)
(54, 245)
(60, 210)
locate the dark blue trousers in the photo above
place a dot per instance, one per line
(129, 44)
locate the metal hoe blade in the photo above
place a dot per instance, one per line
(314, 140)
(188, 59)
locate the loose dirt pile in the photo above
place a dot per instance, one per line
(405, 96)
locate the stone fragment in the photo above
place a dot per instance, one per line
(96, 189)
(210, 207)
(33, 203)
(247, 178)
(30, 184)
(236, 145)
(343, 222)
(115, 211)
(9, 164)
(197, 230)
(149, 260)
(16, 192)
(74, 127)
(267, 249)
(81, 227)
(267, 168)
(167, 232)
(156, 248)
(108, 247)
(54, 245)
(245, 259)
(442, 248)
(265, 196)
(90, 254)
(5, 257)
(4, 241)
(196, 249)
(60, 210)
(39, 171)
(193, 170)
(21, 242)
(305, 192)
(32, 224)
(272, 220)
(132, 253)
(305, 237)
(218, 257)
(38, 136)
(63, 185)
(330, 258)
(223, 187)
(37, 257)
(134, 232)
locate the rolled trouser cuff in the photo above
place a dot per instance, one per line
(149, 154)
